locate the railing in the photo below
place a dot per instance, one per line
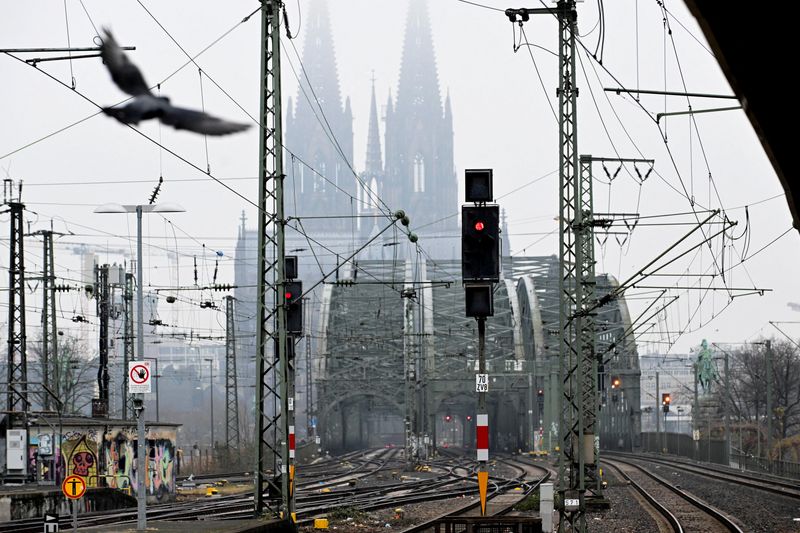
(761, 464)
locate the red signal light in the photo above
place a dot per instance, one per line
(288, 295)
(479, 225)
(469, 417)
(447, 418)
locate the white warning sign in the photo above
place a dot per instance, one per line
(481, 382)
(139, 377)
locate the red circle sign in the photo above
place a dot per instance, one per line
(140, 374)
(73, 487)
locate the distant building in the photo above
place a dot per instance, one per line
(676, 377)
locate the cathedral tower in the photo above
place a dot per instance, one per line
(419, 174)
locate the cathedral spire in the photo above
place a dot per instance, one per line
(374, 157)
(448, 113)
(320, 130)
(418, 88)
(319, 60)
(419, 173)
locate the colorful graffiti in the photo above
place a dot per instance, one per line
(45, 465)
(162, 477)
(80, 456)
(120, 460)
(106, 457)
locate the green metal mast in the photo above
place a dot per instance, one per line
(273, 413)
(231, 385)
(571, 483)
(583, 228)
(577, 392)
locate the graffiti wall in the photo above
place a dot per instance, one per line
(106, 456)
(79, 449)
(119, 448)
(45, 460)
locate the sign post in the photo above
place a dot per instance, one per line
(73, 487)
(139, 381)
(50, 523)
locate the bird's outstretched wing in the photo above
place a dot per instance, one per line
(125, 74)
(188, 119)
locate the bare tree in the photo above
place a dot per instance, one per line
(748, 391)
(70, 373)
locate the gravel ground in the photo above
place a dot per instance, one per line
(627, 513)
(386, 519)
(757, 511)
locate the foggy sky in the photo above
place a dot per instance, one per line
(501, 120)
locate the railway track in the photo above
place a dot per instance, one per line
(310, 499)
(765, 483)
(680, 510)
(499, 487)
(362, 464)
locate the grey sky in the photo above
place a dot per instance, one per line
(502, 120)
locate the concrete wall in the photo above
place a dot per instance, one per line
(33, 504)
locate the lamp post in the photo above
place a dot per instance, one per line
(141, 468)
(156, 375)
(211, 394)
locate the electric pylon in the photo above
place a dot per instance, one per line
(274, 418)
(231, 383)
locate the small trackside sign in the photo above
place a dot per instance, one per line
(139, 377)
(481, 382)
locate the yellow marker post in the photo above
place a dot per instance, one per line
(291, 480)
(483, 483)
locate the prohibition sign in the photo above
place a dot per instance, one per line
(73, 487)
(140, 374)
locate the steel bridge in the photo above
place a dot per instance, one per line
(396, 356)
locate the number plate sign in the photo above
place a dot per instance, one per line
(481, 382)
(572, 501)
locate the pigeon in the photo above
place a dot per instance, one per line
(145, 105)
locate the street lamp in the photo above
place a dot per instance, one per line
(141, 495)
(156, 375)
(211, 393)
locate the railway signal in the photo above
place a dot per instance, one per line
(666, 399)
(293, 290)
(616, 382)
(480, 243)
(480, 270)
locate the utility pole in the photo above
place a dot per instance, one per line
(231, 383)
(17, 363)
(272, 454)
(769, 403)
(311, 421)
(409, 365)
(127, 340)
(100, 407)
(49, 325)
(138, 401)
(530, 439)
(658, 414)
(578, 406)
(726, 399)
(211, 395)
(696, 416)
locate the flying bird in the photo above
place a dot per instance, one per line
(145, 105)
